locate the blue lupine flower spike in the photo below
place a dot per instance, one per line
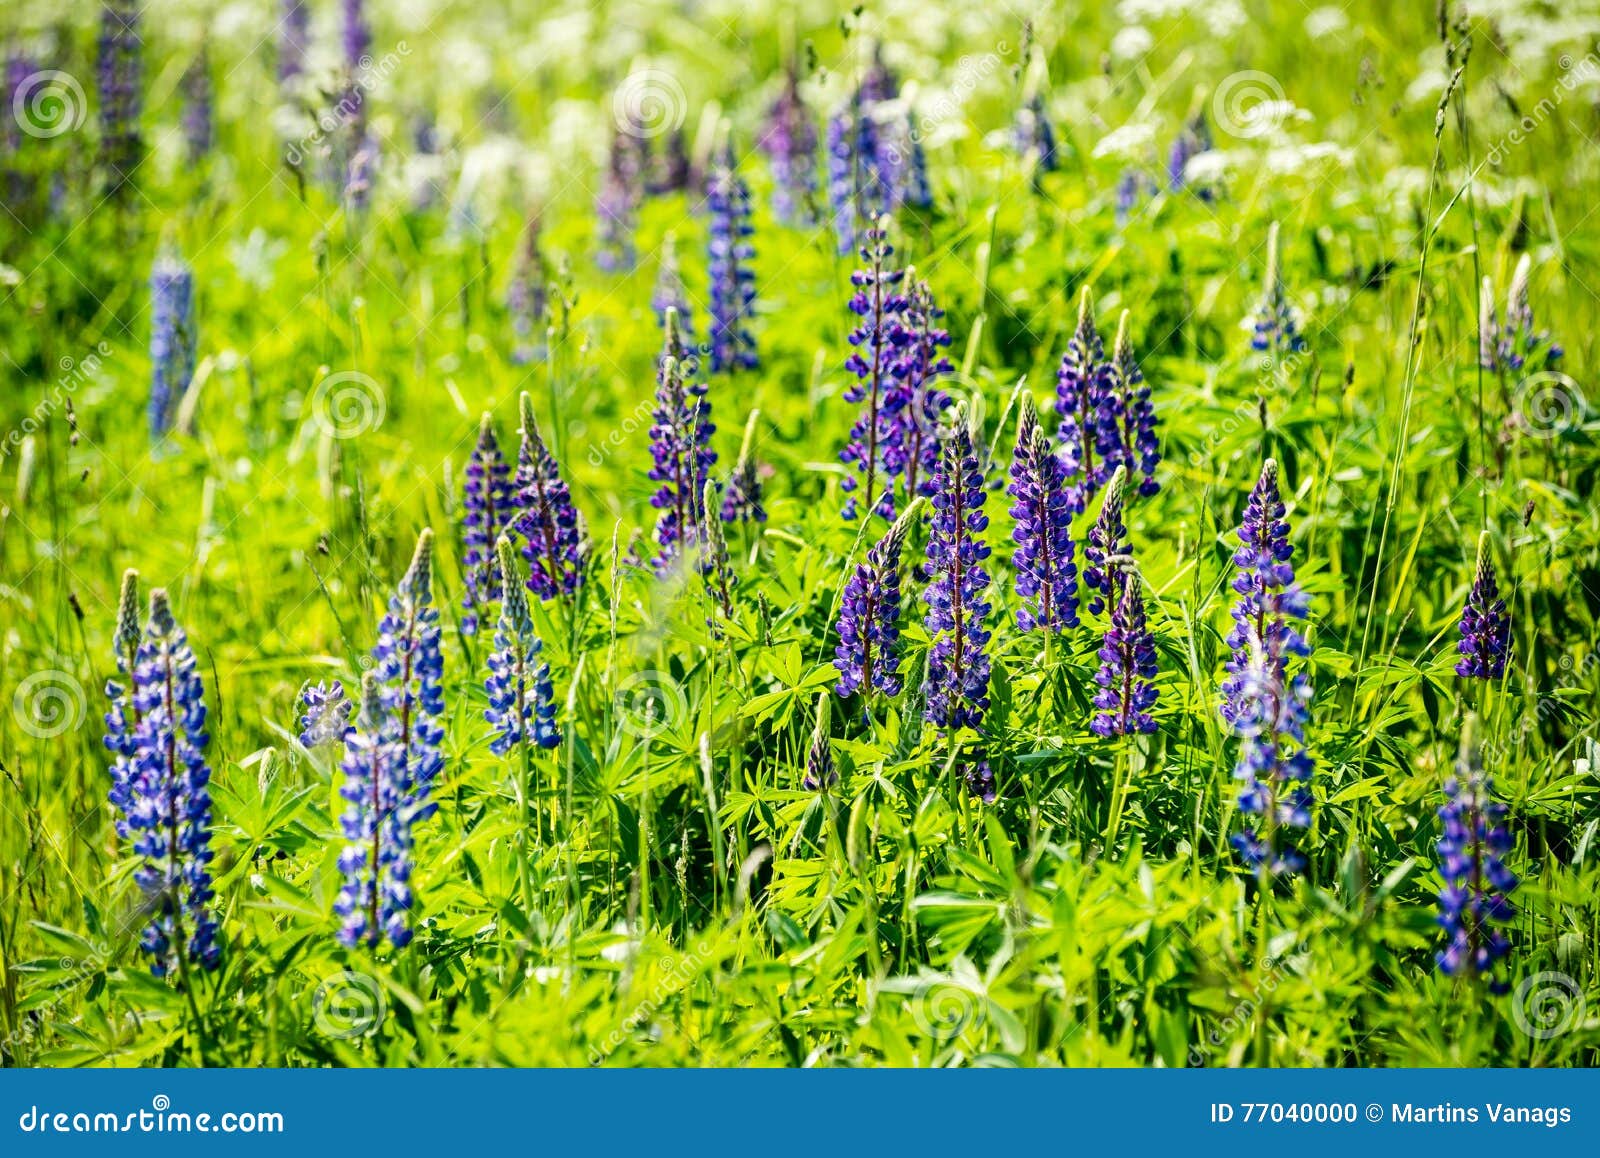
(172, 338)
(820, 773)
(1485, 624)
(957, 685)
(546, 519)
(878, 302)
(733, 279)
(1265, 705)
(1275, 324)
(741, 500)
(1108, 552)
(1129, 438)
(868, 655)
(521, 701)
(169, 813)
(1047, 575)
(680, 449)
(325, 716)
(1473, 844)
(487, 510)
(122, 718)
(1127, 666)
(1084, 402)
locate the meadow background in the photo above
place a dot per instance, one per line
(693, 902)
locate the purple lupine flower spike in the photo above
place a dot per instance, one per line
(669, 293)
(1047, 576)
(1275, 324)
(391, 761)
(877, 302)
(914, 402)
(1192, 140)
(325, 715)
(1108, 551)
(545, 519)
(169, 813)
(356, 35)
(617, 205)
(375, 864)
(1485, 625)
(487, 511)
(859, 189)
(820, 774)
(172, 338)
(957, 685)
(1519, 342)
(120, 78)
(1032, 134)
(1127, 666)
(122, 718)
(294, 39)
(521, 700)
(198, 113)
(1084, 402)
(733, 281)
(1129, 438)
(868, 655)
(680, 447)
(1266, 706)
(1473, 844)
(528, 295)
(790, 142)
(670, 171)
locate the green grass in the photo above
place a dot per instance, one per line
(692, 903)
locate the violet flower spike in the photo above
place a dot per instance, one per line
(119, 74)
(1476, 898)
(1046, 573)
(913, 401)
(375, 897)
(733, 288)
(1127, 666)
(789, 141)
(528, 295)
(1084, 402)
(198, 115)
(877, 302)
(122, 717)
(521, 700)
(294, 38)
(172, 338)
(325, 715)
(487, 511)
(546, 519)
(1485, 624)
(820, 773)
(1108, 553)
(617, 206)
(1128, 435)
(680, 447)
(957, 685)
(1275, 323)
(169, 798)
(868, 655)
